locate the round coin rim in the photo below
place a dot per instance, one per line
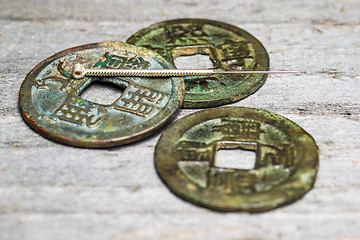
(116, 138)
(230, 96)
(278, 196)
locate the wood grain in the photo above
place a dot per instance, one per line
(51, 191)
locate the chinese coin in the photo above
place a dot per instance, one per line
(228, 47)
(51, 104)
(286, 159)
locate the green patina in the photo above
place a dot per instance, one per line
(228, 47)
(50, 98)
(285, 168)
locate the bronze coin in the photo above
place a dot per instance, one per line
(51, 104)
(286, 159)
(228, 47)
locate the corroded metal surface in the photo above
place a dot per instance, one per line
(50, 98)
(285, 168)
(229, 48)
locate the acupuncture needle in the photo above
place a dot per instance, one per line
(79, 71)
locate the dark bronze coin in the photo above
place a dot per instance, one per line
(228, 47)
(50, 98)
(286, 159)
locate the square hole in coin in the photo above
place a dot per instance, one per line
(197, 61)
(102, 92)
(235, 159)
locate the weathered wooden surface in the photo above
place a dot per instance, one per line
(51, 191)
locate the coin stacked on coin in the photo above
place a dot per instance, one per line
(185, 156)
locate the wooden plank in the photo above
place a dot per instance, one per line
(51, 191)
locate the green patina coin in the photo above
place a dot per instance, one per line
(228, 47)
(286, 159)
(51, 104)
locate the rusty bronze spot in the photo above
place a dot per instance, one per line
(228, 47)
(285, 167)
(50, 98)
